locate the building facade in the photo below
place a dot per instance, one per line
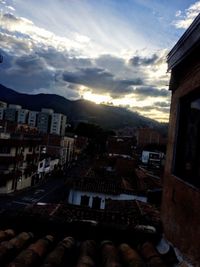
(32, 118)
(3, 104)
(19, 155)
(58, 123)
(181, 195)
(22, 116)
(147, 136)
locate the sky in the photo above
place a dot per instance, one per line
(106, 51)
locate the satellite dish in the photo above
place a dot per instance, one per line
(1, 58)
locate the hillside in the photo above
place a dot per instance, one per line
(108, 117)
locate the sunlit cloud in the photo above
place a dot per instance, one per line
(107, 53)
(184, 19)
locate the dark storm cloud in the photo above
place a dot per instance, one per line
(62, 60)
(146, 91)
(162, 104)
(30, 63)
(143, 61)
(101, 81)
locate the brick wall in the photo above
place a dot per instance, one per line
(181, 201)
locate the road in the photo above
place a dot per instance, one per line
(52, 191)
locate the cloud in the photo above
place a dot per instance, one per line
(101, 81)
(38, 36)
(143, 92)
(156, 113)
(37, 60)
(186, 18)
(143, 61)
(162, 104)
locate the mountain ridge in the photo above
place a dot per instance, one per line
(109, 117)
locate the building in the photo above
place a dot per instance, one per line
(22, 116)
(181, 196)
(10, 113)
(60, 147)
(120, 146)
(94, 192)
(152, 158)
(3, 104)
(44, 120)
(19, 155)
(2, 113)
(147, 136)
(125, 132)
(58, 123)
(32, 118)
(67, 150)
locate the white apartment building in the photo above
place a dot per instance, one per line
(3, 104)
(22, 116)
(58, 123)
(13, 106)
(47, 111)
(1, 113)
(32, 118)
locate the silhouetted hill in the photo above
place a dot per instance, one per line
(109, 117)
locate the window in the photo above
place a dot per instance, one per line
(41, 165)
(187, 157)
(85, 201)
(4, 150)
(96, 204)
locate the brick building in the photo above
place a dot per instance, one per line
(147, 136)
(181, 196)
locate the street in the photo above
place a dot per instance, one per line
(52, 191)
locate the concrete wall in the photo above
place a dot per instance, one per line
(181, 201)
(75, 197)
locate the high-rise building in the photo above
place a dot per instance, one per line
(2, 113)
(58, 123)
(3, 104)
(22, 116)
(10, 113)
(44, 120)
(32, 118)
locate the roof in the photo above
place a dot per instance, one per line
(24, 249)
(105, 185)
(82, 243)
(146, 213)
(185, 45)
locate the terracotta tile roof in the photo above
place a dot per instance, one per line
(146, 213)
(105, 185)
(58, 235)
(26, 249)
(69, 213)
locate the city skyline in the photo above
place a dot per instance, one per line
(104, 51)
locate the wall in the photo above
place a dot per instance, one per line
(75, 197)
(24, 182)
(181, 201)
